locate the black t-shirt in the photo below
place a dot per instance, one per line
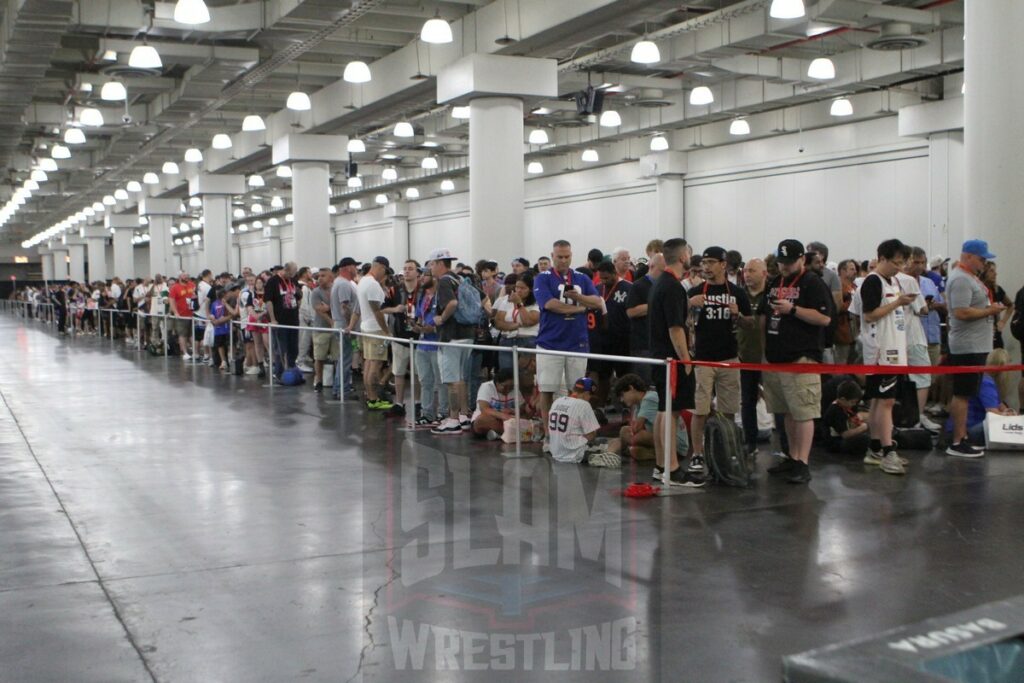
(638, 296)
(401, 323)
(714, 326)
(787, 338)
(285, 296)
(838, 420)
(871, 292)
(666, 309)
(447, 290)
(618, 322)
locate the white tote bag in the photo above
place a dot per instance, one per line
(1004, 432)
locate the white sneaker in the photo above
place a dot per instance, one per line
(185, 357)
(546, 447)
(304, 368)
(891, 464)
(447, 426)
(465, 423)
(929, 424)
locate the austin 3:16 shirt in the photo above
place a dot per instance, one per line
(787, 338)
(714, 324)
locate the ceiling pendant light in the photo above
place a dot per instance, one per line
(436, 31)
(460, 112)
(142, 221)
(645, 52)
(256, 181)
(404, 129)
(109, 200)
(389, 174)
(170, 168)
(786, 9)
(429, 163)
(256, 208)
(194, 202)
(133, 186)
(221, 141)
(90, 116)
(253, 123)
(238, 213)
(39, 176)
(822, 69)
(284, 171)
(60, 152)
(332, 209)
(841, 107)
(113, 91)
(534, 167)
(151, 179)
(590, 155)
(610, 119)
(299, 101)
(355, 204)
(447, 185)
(739, 127)
(289, 218)
(357, 72)
(412, 193)
(356, 146)
(355, 182)
(191, 12)
(74, 136)
(701, 95)
(97, 207)
(121, 195)
(193, 155)
(145, 57)
(90, 212)
(31, 185)
(659, 143)
(47, 164)
(381, 199)
(538, 136)
(276, 202)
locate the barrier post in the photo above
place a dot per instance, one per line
(166, 338)
(516, 393)
(412, 384)
(192, 337)
(231, 346)
(111, 324)
(670, 448)
(339, 368)
(138, 330)
(270, 353)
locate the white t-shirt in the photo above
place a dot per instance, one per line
(510, 315)
(915, 322)
(489, 394)
(158, 299)
(115, 290)
(203, 291)
(569, 422)
(139, 294)
(369, 290)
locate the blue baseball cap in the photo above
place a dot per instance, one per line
(978, 248)
(583, 384)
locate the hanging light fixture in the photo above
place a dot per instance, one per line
(113, 91)
(786, 9)
(590, 155)
(120, 195)
(253, 123)
(256, 181)
(142, 221)
(150, 179)
(404, 129)
(332, 209)
(39, 176)
(460, 112)
(194, 202)
(436, 31)
(659, 143)
(90, 116)
(31, 185)
(170, 168)
(822, 69)
(535, 167)
(356, 146)
(284, 171)
(256, 208)
(357, 72)
(191, 12)
(193, 155)
(238, 213)
(381, 199)
(47, 164)
(133, 186)
(90, 212)
(74, 136)
(538, 136)
(221, 141)
(739, 127)
(289, 218)
(276, 202)
(109, 200)
(412, 193)
(299, 101)
(273, 222)
(701, 95)
(429, 163)
(60, 152)
(145, 57)
(355, 204)
(98, 206)
(645, 52)
(389, 174)
(447, 185)
(355, 182)
(841, 107)
(610, 119)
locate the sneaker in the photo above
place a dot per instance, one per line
(872, 457)
(930, 425)
(379, 404)
(396, 410)
(800, 474)
(679, 477)
(492, 435)
(318, 386)
(465, 423)
(696, 465)
(604, 459)
(252, 370)
(545, 447)
(224, 367)
(964, 450)
(447, 426)
(891, 464)
(185, 357)
(786, 467)
(304, 368)
(426, 422)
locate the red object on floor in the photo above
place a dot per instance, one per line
(640, 491)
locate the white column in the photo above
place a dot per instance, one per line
(994, 132)
(216, 192)
(234, 256)
(160, 213)
(124, 226)
(46, 258)
(496, 182)
(76, 250)
(96, 250)
(398, 212)
(671, 207)
(60, 262)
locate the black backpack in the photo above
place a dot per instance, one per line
(728, 461)
(1017, 321)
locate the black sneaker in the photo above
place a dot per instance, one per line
(787, 466)
(800, 474)
(679, 477)
(397, 410)
(318, 386)
(696, 465)
(964, 450)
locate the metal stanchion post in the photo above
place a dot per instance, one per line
(165, 336)
(138, 330)
(192, 338)
(339, 368)
(111, 324)
(411, 414)
(669, 446)
(270, 353)
(516, 394)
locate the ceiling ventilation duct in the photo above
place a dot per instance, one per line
(651, 98)
(896, 35)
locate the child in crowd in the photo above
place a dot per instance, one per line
(572, 427)
(220, 318)
(637, 437)
(496, 403)
(847, 429)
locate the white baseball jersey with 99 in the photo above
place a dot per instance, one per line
(569, 422)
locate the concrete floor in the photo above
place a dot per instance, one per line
(161, 522)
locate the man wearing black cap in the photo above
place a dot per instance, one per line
(345, 313)
(372, 322)
(717, 307)
(795, 312)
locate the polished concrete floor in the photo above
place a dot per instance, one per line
(161, 522)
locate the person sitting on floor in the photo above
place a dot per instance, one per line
(495, 403)
(572, 428)
(637, 437)
(847, 429)
(991, 398)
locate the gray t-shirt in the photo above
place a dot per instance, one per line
(320, 296)
(963, 290)
(831, 278)
(343, 292)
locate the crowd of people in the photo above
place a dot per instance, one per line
(790, 308)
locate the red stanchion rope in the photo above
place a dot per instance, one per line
(837, 369)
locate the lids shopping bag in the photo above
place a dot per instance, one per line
(1004, 432)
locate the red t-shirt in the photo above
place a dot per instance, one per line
(180, 297)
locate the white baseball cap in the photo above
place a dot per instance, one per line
(441, 254)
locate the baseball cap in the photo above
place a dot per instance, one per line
(348, 261)
(978, 248)
(276, 268)
(521, 261)
(382, 260)
(937, 261)
(490, 265)
(583, 384)
(441, 254)
(717, 253)
(789, 251)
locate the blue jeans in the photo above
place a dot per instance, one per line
(471, 374)
(428, 375)
(343, 368)
(505, 358)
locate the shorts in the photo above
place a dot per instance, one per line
(724, 383)
(682, 396)
(200, 330)
(793, 394)
(325, 346)
(966, 385)
(917, 354)
(220, 341)
(451, 360)
(375, 349)
(182, 326)
(935, 353)
(399, 358)
(557, 372)
(885, 387)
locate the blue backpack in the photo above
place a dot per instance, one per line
(471, 309)
(292, 377)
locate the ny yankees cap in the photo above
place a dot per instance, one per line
(583, 384)
(789, 251)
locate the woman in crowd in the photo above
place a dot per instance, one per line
(998, 295)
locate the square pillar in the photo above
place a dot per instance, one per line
(60, 261)
(95, 237)
(46, 257)
(160, 213)
(124, 227)
(216, 192)
(76, 250)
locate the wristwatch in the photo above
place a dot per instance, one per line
(792, 311)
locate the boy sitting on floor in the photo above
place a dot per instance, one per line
(847, 429)
(637, 437)
(496, 403)
(572, 427)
